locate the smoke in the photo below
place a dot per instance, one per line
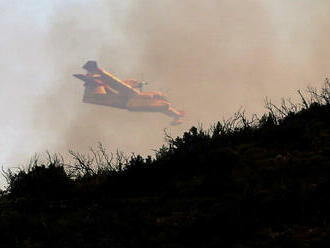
(211, 57)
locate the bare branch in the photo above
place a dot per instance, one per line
(303, 99)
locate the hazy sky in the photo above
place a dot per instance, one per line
(211, 57)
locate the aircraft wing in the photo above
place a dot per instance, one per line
(95, 85)
(106, 77)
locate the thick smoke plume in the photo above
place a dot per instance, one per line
(211, 57)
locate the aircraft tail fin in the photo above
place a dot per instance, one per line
(91, 66)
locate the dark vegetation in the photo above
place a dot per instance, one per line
(259, 182)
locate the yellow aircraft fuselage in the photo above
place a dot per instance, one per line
(103, 88)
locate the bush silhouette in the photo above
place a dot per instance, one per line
(260, 182)
(39, 180)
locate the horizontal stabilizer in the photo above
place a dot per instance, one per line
(88, 81)
(80, 76)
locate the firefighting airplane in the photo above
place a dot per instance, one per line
(103, 88)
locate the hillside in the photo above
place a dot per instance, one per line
(244, 183)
